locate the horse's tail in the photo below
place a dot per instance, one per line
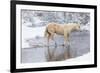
(46, 32)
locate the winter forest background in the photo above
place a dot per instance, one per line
(33, 24)
(41, 18)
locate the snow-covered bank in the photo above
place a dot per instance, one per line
(31, 32)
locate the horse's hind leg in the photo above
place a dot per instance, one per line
(52, 36)
(48, 39)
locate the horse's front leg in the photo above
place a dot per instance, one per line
(66, 39)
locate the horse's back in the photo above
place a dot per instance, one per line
(55, 27)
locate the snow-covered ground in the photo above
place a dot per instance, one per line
(85, 27)
(31, 33)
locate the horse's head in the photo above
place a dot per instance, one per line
(77, 27)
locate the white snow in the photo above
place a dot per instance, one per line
(85, 59)
(31, 32)
(27, 24)
(37, 20)
(85, 27)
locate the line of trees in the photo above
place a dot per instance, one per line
(41, 18)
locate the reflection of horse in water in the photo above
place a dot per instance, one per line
(54, 53)
(64, 29)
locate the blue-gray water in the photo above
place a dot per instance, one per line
(79, 45)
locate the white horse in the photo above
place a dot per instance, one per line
(61, 29)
